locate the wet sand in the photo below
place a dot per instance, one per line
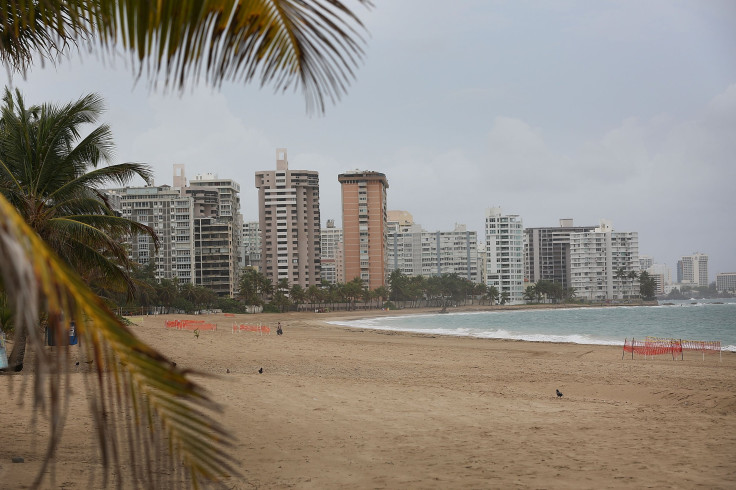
(338, 407)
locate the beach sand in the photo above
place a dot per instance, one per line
(338, 407)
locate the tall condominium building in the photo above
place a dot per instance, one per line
(171, 215)
(197, 244)
(228, 192)
(364, 226)
(505, 254)
(215, 260)
(726, 282)
(547, 252)
(250, 245)
(417, 252)
(288, 207)
(645, 262)
(661, 275)
(693, 269)
(596, 258)
(332, 249)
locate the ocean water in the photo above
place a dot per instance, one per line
(686, 320)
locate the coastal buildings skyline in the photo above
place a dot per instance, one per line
(208, 242)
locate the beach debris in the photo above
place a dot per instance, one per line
(196, 332)
(559, 393)
(77, 364)
(227, 370)
(18, 460)
(260, 371)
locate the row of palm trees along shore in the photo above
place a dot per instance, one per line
(61, 258)
(257, 293)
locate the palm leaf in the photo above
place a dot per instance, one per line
(314, 44)
(131, 377)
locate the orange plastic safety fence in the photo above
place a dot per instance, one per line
(251, 328)
(653, 346)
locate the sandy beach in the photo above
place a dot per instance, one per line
(338, 407)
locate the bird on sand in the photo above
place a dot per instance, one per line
(559, 393)
(228, 370)
(260, 371)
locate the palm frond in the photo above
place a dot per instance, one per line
(131, 377)
(313, 45)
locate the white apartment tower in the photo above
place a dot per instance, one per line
(171, 216)
(288, 203)
(596, 258)
(331, 250)
(505, 254)
(547, 252)
(250, 245)
(416, 252)
(693, 269)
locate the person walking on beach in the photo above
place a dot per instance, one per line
(278, 329)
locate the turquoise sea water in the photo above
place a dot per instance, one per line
(686, 320)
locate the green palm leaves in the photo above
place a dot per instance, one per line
(131, 378)
(51, 173)
(287, 43)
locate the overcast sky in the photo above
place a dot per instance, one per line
(560, 109)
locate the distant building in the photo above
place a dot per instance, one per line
(250, 245)
(364, 226)
(197, 245)
(215, 258)
(417, 252)
(662, 277)
(693, 269)
(596, 257)
(505, 254)
(171, 216)
(288, 203)
(726, 282)
(547, 252)
(331, 253)
(645, 262)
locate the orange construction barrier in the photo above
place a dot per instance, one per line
(654, 346)
(250, 328)
(190, 325)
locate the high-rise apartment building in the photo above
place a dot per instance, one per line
(726, 282)
(547, 252)
(197, 245)
(215, 258)
(693, 269)
(364, 226)
(331, 249)
(661, 276)
(288, 204)
(645, 262)
(171, 216)
(505, 254)
(250, 245)
(597, 256)
(417, 252)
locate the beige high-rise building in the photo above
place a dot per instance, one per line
(364, 218)
(288, 208)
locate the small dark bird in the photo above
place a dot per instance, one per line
(559, 393)
(260, 371)
(228, 370)
(77, 364)
(173, 364)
